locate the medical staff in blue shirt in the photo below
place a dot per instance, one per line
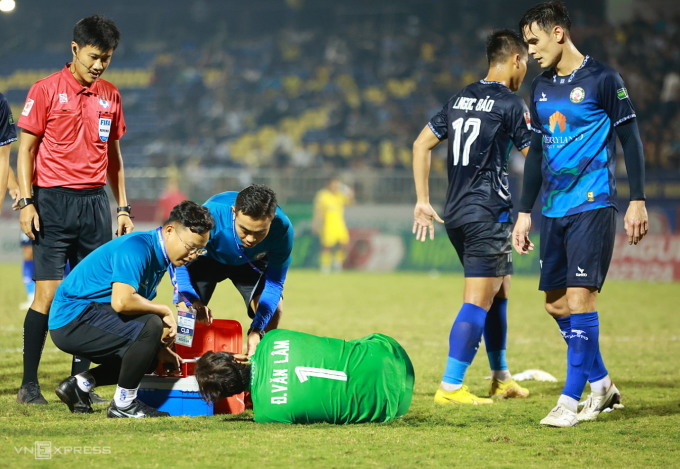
(251, 245)
(104, 310)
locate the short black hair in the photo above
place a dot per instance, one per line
(257, 201)
(96, 31)
(502, 44)
(191, 215)
(546, 15)
(219, 375)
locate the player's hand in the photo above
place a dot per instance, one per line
(636, 221)
(424, 217)
(170, 360)
(253, 342)
(169, 323)
(241, 358)
(29, 220)
(203, 313)
(15, 195)
(520, 234)
(125, 225)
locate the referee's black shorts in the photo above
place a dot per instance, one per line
(73, 223)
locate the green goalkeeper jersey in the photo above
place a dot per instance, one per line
(302, 378)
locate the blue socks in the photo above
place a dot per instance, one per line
(495, 334)
(583, 347)
(466, 334)
(598, 371)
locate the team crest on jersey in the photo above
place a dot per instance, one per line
(543, 97)
(63, 98)
(104, 128)
(27, 107)
(577, 95)
(104, 103)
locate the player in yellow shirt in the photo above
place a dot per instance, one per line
(329, 223)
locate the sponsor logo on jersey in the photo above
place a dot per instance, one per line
(27, 107)
(577, 95)
(527, 119)
(558, 120)
(63, 98)
(104, 103)
(543, 97)
(581, 272)
(622, 93)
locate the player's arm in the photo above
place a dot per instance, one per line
(636, 221)
(4, 171)
(28, 149)
(13, 187)
(116, 175)
(531, 185)
(423, 213)
(125, 300)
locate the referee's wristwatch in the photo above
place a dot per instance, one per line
(22, 203)
(255, 329)
(124, 208)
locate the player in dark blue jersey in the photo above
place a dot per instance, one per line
(578, 106)
(8, 134)
(481, 123)
(251, 245)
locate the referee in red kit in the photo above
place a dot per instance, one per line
(69, 145)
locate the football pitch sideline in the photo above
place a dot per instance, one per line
(640, 342)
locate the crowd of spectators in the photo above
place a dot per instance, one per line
(295, 84)
(354, 93)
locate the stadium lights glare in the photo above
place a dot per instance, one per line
(7, 6)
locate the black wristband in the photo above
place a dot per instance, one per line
(124, 208)
(24, 202)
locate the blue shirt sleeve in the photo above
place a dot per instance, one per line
(518, 125)
(183, 285)
(439, 124)
(613, 97)
(279, 259)
(8, 132)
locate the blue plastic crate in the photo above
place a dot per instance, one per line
(177, 396)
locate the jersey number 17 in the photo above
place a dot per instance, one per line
(470, 129)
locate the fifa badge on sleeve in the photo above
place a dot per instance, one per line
(186, 323)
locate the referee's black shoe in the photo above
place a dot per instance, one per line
(77, 400)
(136, 410)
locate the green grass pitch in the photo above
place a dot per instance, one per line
(640, 341)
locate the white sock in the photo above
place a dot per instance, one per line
(449, 387)
(600, 386)
(501, 375)
(568, 402)
(85, 381)
(123, 397)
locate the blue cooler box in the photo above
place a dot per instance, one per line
(177, 396)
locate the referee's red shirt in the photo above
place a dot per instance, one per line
(75, 124)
